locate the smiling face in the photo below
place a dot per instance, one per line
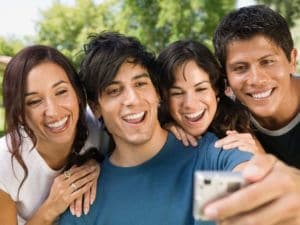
(51, 105)
(258, 72)
(129, 106)
(192, 100)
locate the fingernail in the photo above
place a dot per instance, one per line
(217, 144)
(86, 210)
(211, 212)
(92, 200)
(72, 211)
(78, 214)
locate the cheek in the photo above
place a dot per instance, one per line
(32, 119)
(234, 82)
(212, 102)
(72, 103)
(173, 107)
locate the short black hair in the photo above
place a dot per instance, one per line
(245, 23)
(104, 55)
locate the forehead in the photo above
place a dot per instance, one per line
(44, 75)
(189, 72)
(130, 71)
(253, 48)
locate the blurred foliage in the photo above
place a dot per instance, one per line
(289, 9)
(155, 23)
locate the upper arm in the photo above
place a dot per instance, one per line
(8, 209)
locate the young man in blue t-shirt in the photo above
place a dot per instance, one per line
(147, 177)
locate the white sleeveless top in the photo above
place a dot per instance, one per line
(40, 177)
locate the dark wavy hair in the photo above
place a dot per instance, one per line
(14, 84)
(104, 55)
(246, 22)
(230, 115)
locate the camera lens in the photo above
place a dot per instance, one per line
(234, 186)
(207, 181)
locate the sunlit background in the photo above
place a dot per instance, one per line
(65, 24)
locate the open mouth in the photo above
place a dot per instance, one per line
(135, 118)
(58, 125)
(262, 95)
(194, 117)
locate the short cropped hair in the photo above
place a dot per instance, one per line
(245, 23)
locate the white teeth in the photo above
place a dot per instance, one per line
(59, 123)
(194, 115)
(262, 94)
(135, 116)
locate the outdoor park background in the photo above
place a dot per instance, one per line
(155, 22)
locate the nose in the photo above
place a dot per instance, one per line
(188, 100)
(51, 108)
(130, 97)
(257, 76)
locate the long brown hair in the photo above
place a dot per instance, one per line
(14, 81)
(230, 115)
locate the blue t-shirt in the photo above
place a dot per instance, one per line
(160, 190)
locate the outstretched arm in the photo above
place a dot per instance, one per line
(272, 198)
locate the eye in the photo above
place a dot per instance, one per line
(33, 102)
(61, 92)
(113, 91)
(199, 89)
(267, 62)
(140, 83)
(239, 68)
(175, 93)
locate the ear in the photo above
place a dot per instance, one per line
(229, 93)
(293, 61)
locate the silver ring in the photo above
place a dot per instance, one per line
(67, 174)
(74, 187)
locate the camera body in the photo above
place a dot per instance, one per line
(211, 185)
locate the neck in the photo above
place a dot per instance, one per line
(290, 111)
(132, 154)
(55, 155)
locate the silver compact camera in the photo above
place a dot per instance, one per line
(211, 185)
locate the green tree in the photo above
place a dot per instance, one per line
(8, 47)
(289, 9)
(66, 27)
(155, 22)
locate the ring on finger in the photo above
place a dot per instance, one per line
(74, 187)
(67, 174)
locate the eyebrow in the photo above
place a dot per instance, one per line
(266, 56)
(136, 77)
(53, 86)
(196, 85)
(243, 62)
